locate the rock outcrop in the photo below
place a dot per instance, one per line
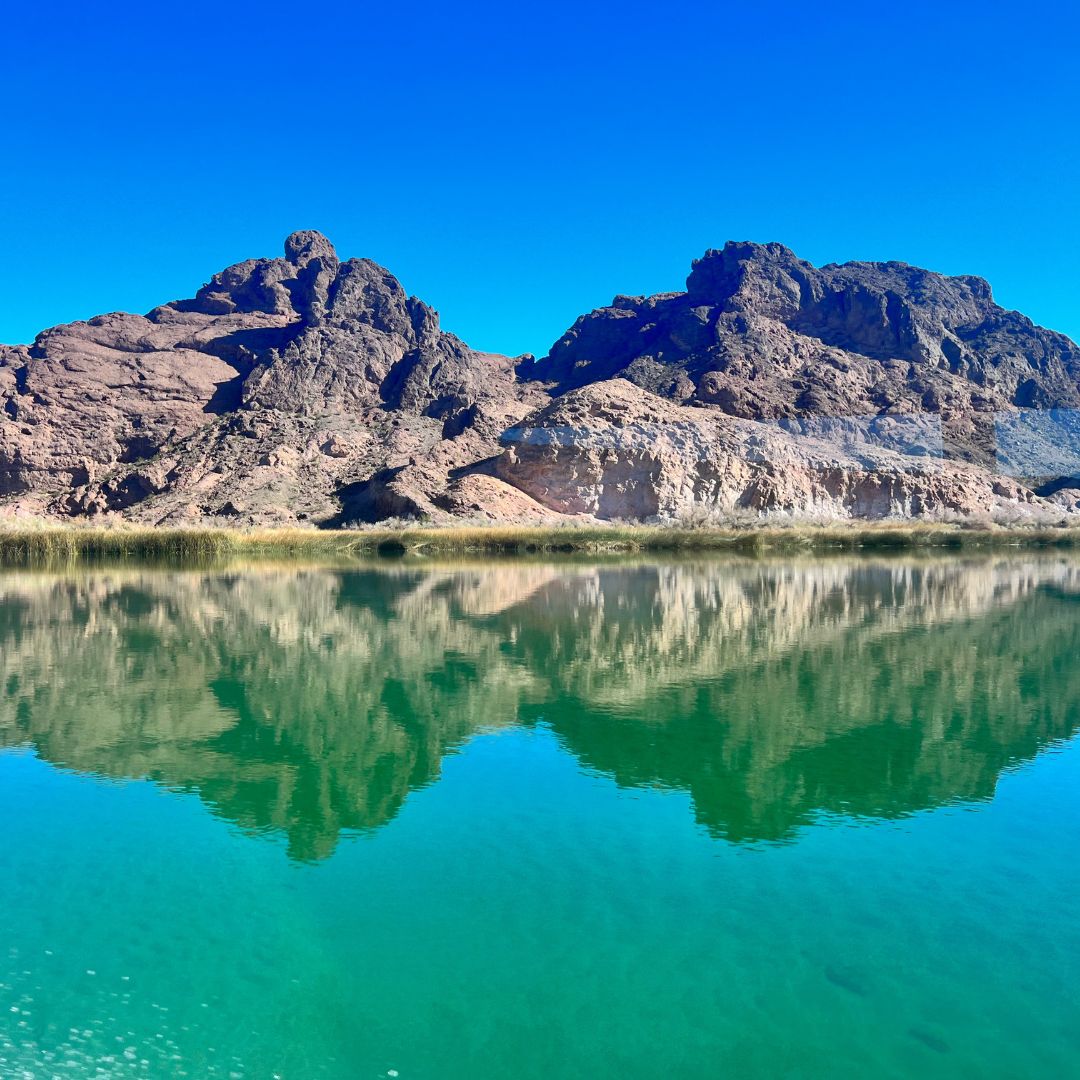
(307, 389)
(764, 335)
(614, 450)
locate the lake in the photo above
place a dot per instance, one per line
(551, 819)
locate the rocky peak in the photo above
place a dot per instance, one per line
(255, 285)
(317, 267)
(296, 286)
(765, 335)
(768, 278)
(307, 244)
(365, 293)
(222, 385)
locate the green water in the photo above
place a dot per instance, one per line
(699, 819)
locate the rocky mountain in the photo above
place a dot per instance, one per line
(307, 389)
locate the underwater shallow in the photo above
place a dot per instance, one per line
(557, 819)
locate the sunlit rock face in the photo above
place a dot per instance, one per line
(307, 389)
(273, 396)
(765, 335)
(614, 451)
(307, 703)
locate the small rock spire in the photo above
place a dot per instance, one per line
(307, 244)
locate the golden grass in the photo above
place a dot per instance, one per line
(50, 543)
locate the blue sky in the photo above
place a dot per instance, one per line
(516, 166)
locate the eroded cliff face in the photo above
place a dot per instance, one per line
(613, 450)
(765, 335)
(307, 389)
(291, 389)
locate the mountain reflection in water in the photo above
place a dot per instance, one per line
(310, 702)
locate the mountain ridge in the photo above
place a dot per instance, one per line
(306, 388)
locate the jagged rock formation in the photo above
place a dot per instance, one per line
(300, 388)
(306, 389)
(765, 336)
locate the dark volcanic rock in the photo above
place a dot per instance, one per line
(764, 335)
(281, 384)
(307, 389)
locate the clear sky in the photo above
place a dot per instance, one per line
(517, 165)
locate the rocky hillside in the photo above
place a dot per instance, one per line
(306, 389)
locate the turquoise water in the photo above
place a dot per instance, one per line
(703, 819)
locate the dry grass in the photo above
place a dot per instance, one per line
(52, 543)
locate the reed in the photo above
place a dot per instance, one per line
(49, 543)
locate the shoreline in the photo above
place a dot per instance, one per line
(23, 545)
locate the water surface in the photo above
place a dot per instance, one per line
(718, 818)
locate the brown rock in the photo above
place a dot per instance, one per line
(309, 389)
(764, 334)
